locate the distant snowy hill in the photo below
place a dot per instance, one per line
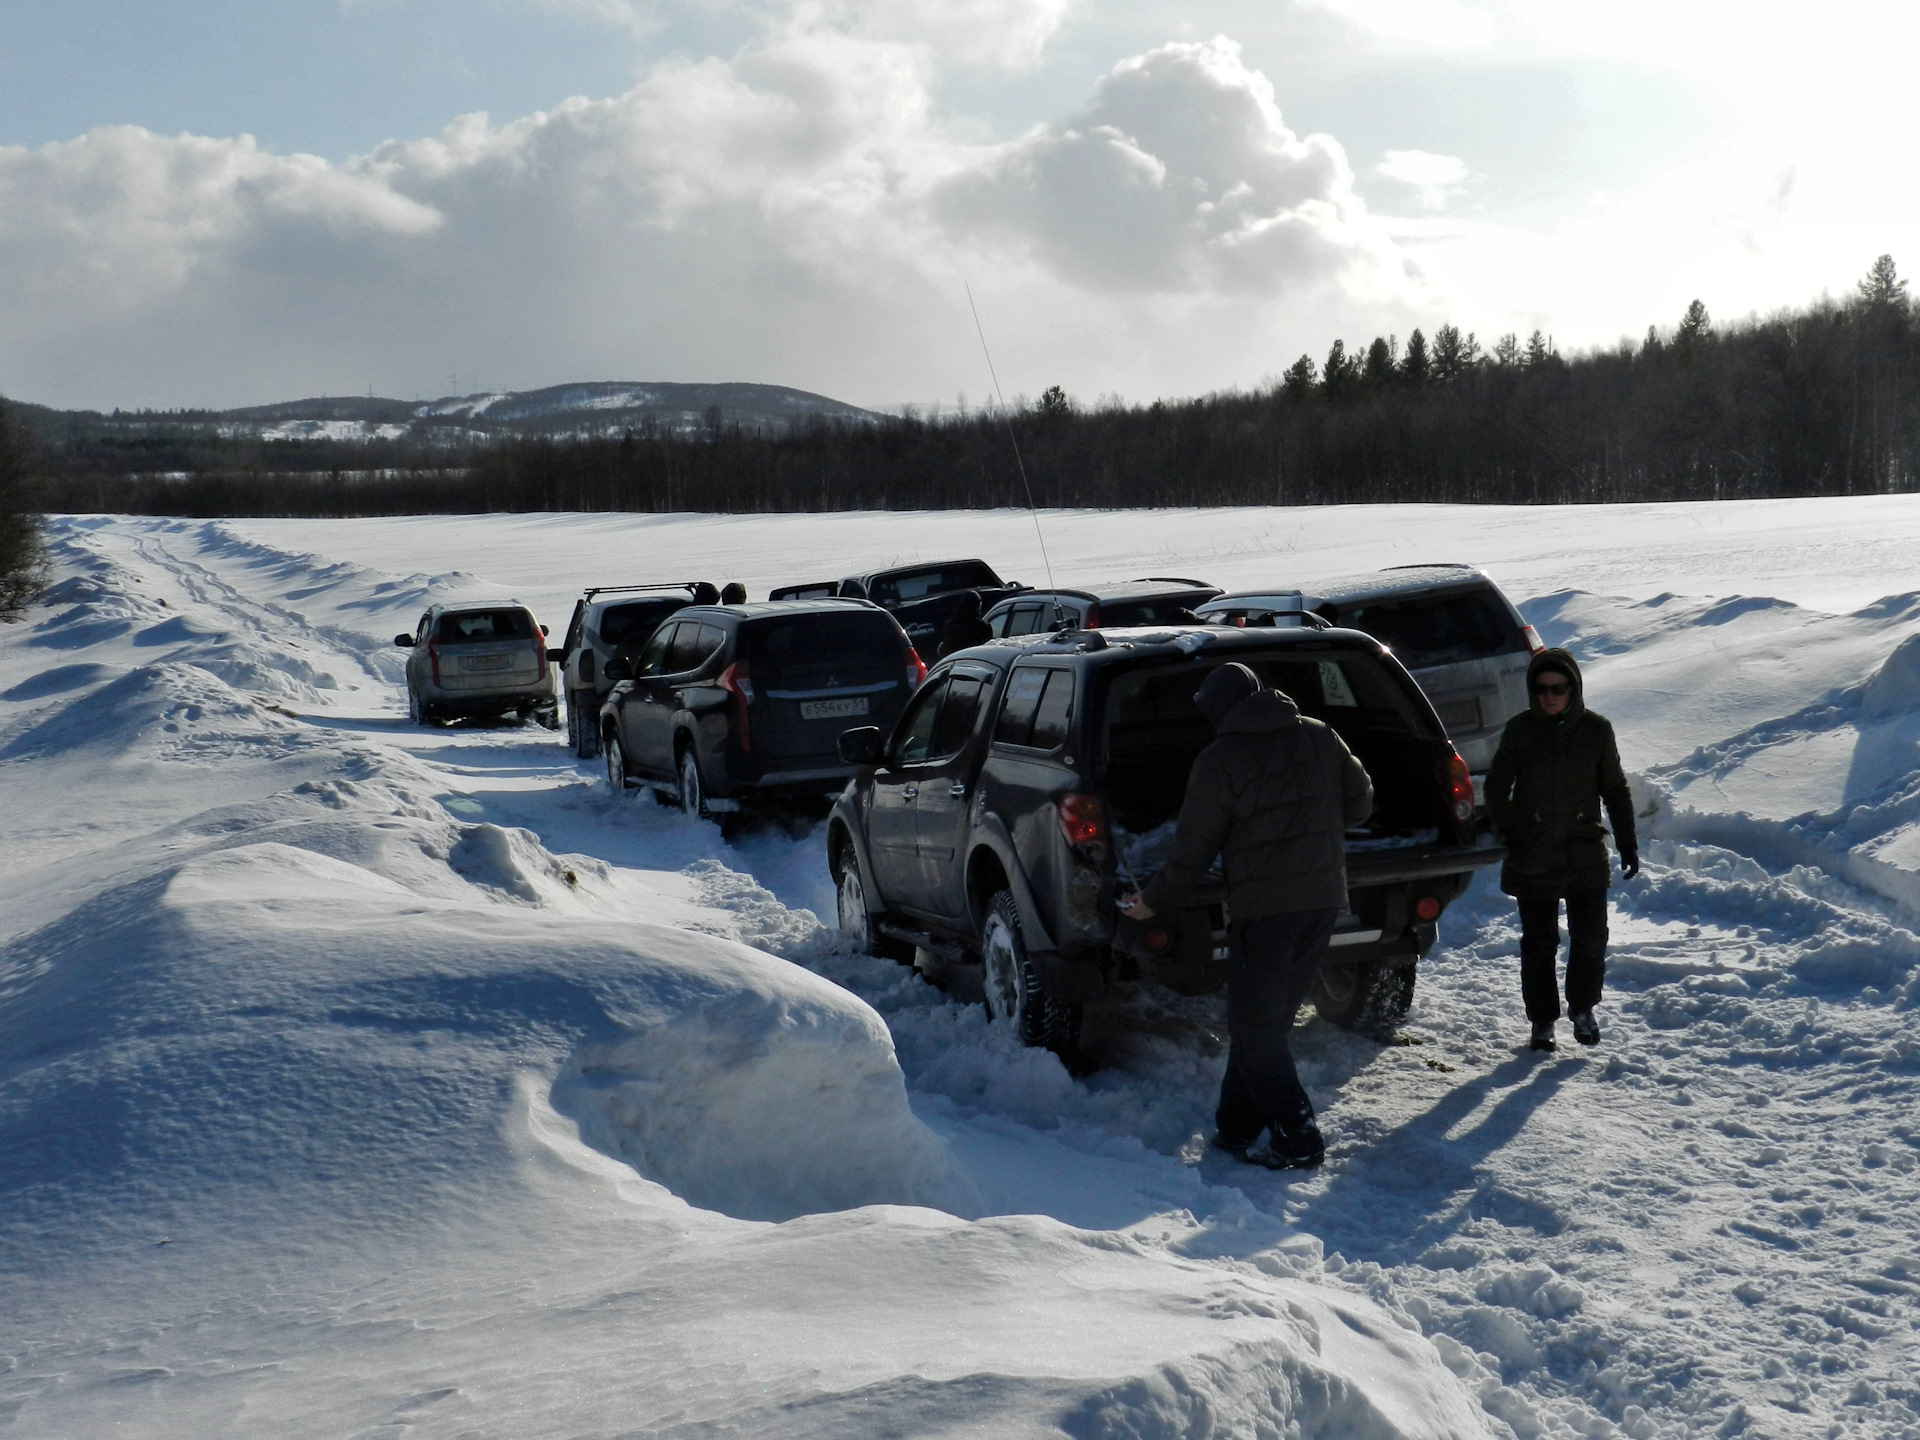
(595, 408)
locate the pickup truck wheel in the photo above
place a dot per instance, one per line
(583, 726)
(855, 923)
(617, 780)
(1370, 997)
(1015, 989)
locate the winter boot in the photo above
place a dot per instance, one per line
(1236, 1148)
(1586, 1029)
(1543, 1037)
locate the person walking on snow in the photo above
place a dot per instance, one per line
(1557, 765)
(1273, 796)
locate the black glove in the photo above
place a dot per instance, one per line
(1629, 864)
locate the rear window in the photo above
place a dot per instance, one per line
(933, 580)
(632, 621)
(469, 627)
(1158, 611)
(824, 652)
(1424, 630)
(1152, 710)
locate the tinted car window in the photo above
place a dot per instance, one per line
(915, 735)
(955, 725)
(1038, 708)
(632, 621)
(934, 580)
(1426, 630)
(823, 652)
(653, 659)
(471, 627)
(692, 644)
(1145, 612)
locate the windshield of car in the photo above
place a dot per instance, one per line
(631, 621)
(1428, 630)
(470, 627)
(903, 585)
(824, 652)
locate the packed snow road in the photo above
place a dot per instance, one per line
(358, 1078)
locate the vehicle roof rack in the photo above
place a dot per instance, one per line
(593, 590)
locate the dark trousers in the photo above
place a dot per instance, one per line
(1586, 953)
(1271, 962)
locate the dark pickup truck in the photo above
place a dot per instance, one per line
(1032, 780)
(921, 597)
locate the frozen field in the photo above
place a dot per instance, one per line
(361, 1080)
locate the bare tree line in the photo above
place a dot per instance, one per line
(1821, 400)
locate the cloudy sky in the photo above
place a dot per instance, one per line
(213, 202)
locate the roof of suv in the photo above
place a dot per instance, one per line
(760, 609)
(1143, 589)
(446, 607)
(1163, 641)
(1400, 580)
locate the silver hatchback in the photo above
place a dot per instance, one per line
(1450, 625)
(480, 660)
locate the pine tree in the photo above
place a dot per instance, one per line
(1883, 289)
(1416, 368)
(22, 557)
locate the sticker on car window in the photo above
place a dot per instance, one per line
(1333, 685)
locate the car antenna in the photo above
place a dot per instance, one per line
(1007, 417)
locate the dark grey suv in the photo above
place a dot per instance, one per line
(609, 621)
(732, 703)
(1156, 600)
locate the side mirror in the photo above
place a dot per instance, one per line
(545, 631)
(405, 642)
(617, 669)
(863, 746)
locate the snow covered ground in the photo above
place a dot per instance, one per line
(357, 1079)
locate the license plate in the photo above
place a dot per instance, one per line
(832, 709)
(487, 662)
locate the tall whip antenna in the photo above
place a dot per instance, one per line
(1007, 417)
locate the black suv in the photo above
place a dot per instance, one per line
(1155, 600)
(609, 621)
(731, 702)
(1032, 780)
(921, 597)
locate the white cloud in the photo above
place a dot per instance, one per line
(1179, 176)
(1433, 178)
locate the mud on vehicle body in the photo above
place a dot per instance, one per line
(1027, 783)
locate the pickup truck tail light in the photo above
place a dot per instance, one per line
(1426, 909)
(737, 681)
(1092, 622)
(916, 669)
(1459, 788)
(1083, 820)
(1532, 638)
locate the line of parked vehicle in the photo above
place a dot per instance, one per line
(990, 810)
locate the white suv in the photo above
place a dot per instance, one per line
(480, 659)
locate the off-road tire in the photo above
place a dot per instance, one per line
(417, 713)
(691, 789)
(583, 725)
(547, 717)
(850, 889)
(1368, 997)
(616, 756)
(1016, 991)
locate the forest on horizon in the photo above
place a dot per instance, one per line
(1819, 400)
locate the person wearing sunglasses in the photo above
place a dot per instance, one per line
(1556, 769)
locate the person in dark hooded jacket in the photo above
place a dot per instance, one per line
(1556, 769)
(964, 627)
(1273, 796)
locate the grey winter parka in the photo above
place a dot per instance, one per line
(1546, 787)
(1273, 795)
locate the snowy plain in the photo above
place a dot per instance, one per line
(357, 1079)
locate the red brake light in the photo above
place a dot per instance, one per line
(1092, 622)
(1532, 637)
(737, 681)
(916, 669)
(1426, 908)
(1156, 939)
(1083, 820)
(433, 657)
(1460, 788)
